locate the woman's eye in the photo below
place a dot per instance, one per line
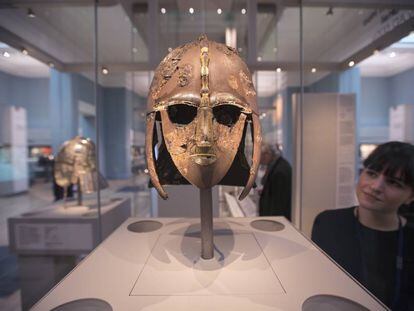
(395, 183)
(371, 173)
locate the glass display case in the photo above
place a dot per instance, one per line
(85, 68)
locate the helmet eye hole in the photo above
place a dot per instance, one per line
(181, 114)
(226, 114)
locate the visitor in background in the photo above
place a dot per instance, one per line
(275, 198)
(372, 241)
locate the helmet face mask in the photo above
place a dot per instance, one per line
(202, 95)
(76, 162)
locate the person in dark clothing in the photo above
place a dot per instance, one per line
(58, 191)
(372, 241)
(275, 198)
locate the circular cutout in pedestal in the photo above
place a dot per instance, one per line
(267, 225)
(331, 303)
(144, 226)
(87, 304)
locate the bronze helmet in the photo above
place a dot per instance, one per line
(203, 97)
(76, 162)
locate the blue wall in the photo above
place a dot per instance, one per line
(29, 93)
(375, 101)
(66, 92)
(4, 89)
(402, 88)
(52, 106)
(33, 95)
(338, 82)
(267, 123)
(374, 97)
(345, 82)
(63, 113)
(379, 94)
(116, 124)
(288, 121)
(328, 84)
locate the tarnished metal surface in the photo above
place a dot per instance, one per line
(150, 156)
(75, 163)
(257, 140)
(202, 93)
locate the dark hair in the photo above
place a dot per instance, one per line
(392, 158)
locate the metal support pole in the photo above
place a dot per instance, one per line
(251, 32)
(302, 91)
(153, 33)
(79, 193)
(98, 114)
(206, 205)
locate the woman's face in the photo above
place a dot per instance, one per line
(377, 192)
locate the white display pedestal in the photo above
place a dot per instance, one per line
(253, 269)
(49, 241)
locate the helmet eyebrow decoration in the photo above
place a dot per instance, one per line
(202, 96)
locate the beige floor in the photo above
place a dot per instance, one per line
(40, 195)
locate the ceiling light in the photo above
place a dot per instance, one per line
(30, 13)
(24, 51)
(393, 54)
(278, 69)
(219, 11)
(274, 50)
(376, 51)
(330, 11)
(259, 58)
(262, 115)
(313, 70)
(351, 63)
(243, 11)
(191, 10)
(134, 50)
(163, 10)
(105, 70)
(6, 54)
(239, 49)
(169, 49)
(51, 65)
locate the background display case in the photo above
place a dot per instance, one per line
(50, 242)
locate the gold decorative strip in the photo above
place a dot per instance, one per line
(205, 102)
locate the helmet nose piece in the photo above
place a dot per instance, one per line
(203, 152)
(204, 129)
